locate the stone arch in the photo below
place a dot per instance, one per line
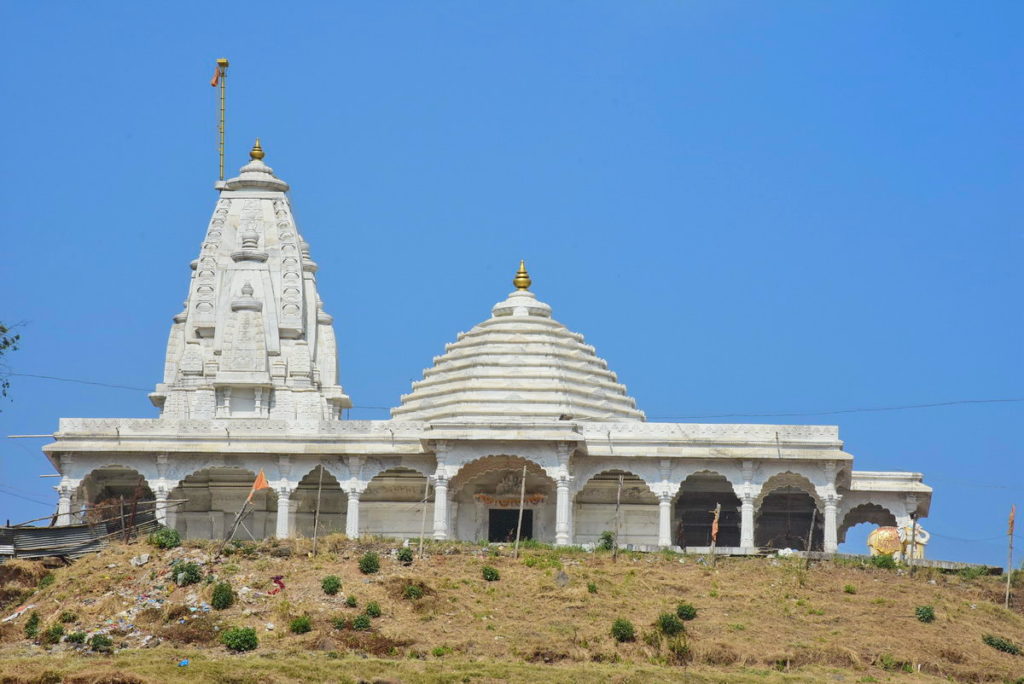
(584, 470)
(484, 498)
(692, 514)
(784, 510)
(392, 504)
(373, 467)
(214, 495)
(594, 508)
(865, 513)
(99, 496)
(319, 483)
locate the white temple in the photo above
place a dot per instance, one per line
(250, 382)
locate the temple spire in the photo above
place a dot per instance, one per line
(522, 280)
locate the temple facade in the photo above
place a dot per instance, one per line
(517, 409)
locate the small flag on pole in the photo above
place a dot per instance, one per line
(260, 483)
(1013, 518)
(216, 77)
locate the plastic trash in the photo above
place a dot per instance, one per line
(183, 663)
(276, 579)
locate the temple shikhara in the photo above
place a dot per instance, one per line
(251, 383)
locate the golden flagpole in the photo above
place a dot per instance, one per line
(221, 78)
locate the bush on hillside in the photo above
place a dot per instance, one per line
(1001, 644)
(606, 541)
(240, 639)
(351, 601)
(884, 561)
(223, 596)
(592, 587)
(67, 617)
(623, 630)
(412, 592)
(361, 623)
(76, 638)
(32, 625)
(301, 625)
(330, 584)
(925, 613)
(165, 538)
(404, 555)
(369, 564)
(669, 624)
(373, 609)
(490, 574)
(53, 634)
(101, 643)
(686, 611)
(186, 574)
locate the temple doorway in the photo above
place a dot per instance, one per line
(502, 522)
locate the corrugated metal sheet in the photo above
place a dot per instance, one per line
(71, 541)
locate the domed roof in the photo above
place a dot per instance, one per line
(519, 365)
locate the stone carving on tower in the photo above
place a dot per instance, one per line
(253, 340)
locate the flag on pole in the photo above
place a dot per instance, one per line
(1013, 517)
(714, 526)
(260, 483)
(216, 77)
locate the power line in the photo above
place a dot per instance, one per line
(81, 382)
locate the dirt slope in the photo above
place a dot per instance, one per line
(758, 619)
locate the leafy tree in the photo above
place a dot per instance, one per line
(8, 343)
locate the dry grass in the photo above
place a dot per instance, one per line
(758, 619)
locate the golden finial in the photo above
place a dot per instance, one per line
(256, 152)
(522, 280)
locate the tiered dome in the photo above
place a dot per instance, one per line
(519, 365)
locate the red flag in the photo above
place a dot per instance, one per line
(1013, 517)
(216, 77)
(260, 483)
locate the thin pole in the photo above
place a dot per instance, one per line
(234, 526)
(124, 529)
(618, 502)
(1009, 556)
(522, 501)
(316, 512)
(222, 65)
(714, 528)
(810, 536)
(423, 514)
(913, 542)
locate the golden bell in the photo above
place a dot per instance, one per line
(522, 280)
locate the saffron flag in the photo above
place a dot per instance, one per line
(260, 483)
(714, 525)
(216, 77)
(1013, 518)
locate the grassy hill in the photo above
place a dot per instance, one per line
(548, 618)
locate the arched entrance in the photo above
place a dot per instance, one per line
(318, 484)
(859, 522)
(485, 501)
(594, 510)
(784, 512)
(392, 505)
(115, 496)
(694, 511)
(213, 498)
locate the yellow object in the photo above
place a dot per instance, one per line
(522, 280)
(256, 152)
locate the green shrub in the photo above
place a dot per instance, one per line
(101, 643)
(53, 634)
(351, 601)
(1001, 644)
(440, 651)
(223, 596)
(240, 639)
(925, 613)
(339, 623)
(76, 638)
(67, 617)
(186, 574)
(165, 538)
(412, 592)
(849, 589)
(891, 664)
(680, 651)
(592, 587)
(972, 572)
(369, 564)
(623, 630)
(686, 611)
(490, 574)
(361, 623)
(404, 555)
(46, 580)
(884, 561)
(373, 609)
(301, 625)
(330, 584)
(669, 624)
(32, 625)
(606, 541)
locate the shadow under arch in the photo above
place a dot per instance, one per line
(594, 509)
(484, 500)
(318, 489)
(213, 496)
(693, 513)
(392, 504)
(115, 495)
(787, 504)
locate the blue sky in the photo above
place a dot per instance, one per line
(747, 207)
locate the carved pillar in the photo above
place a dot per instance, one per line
(831, 524)
(160, 493)
(440, 507)
(284, 511)
(665, 520)
(747, 521)
(562, 512)
(352, 515)
(64, 491)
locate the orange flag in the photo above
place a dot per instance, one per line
(1013, 517)
(260, 483)
(216, 77)
(714, 525)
